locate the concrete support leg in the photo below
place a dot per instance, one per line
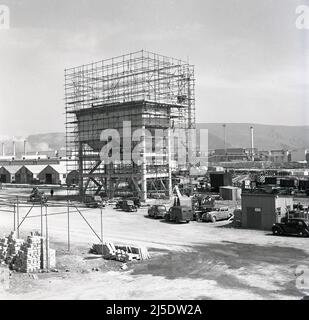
(80, 170)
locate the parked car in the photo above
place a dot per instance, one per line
(295, 226)
(157, 211)
(222, 213)
(129, 206)
(179, 214)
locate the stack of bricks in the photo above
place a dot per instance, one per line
(9, 247)
(27, 256)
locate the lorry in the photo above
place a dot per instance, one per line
(129, 206)
(37, 196)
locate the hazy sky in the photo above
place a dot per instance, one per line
(249, 56)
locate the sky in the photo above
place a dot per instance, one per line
(250, 59)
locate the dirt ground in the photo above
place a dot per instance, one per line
(188, 261)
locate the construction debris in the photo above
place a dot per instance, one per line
(31, 255)
(120, 252)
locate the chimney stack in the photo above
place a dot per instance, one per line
(252, 143)
(3, 153)
(224, 136)
(25, 144)
(14, 149)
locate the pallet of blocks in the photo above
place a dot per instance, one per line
(27, 256)
(107, 250)
(120, 252)
(9, 247)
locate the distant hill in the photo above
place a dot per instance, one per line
(266, 137)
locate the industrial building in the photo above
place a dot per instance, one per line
(30, 174)
(260, 210)
(142, 90)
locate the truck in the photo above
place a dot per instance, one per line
(37, 196)
(129, 206)
(179, 214)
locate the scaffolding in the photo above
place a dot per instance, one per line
(147, 90)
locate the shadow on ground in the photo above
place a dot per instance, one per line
(227, 262)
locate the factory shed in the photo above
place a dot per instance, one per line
(260, 210)
(7, 174)
(49, 175)
(230, 193)
(35, 170)
(62, 171)
(24, 175)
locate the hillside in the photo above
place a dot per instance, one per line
(266, 137)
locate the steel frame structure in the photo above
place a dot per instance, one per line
(149, 90)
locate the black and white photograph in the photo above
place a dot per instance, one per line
(154, 150)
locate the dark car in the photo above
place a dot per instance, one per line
(179, 214)
(296, 226)
(157, 211)
(129, 206)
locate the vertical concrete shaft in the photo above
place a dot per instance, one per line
(144, 167)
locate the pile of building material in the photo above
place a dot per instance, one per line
(31, 255)
(120, 252)
(9, 247)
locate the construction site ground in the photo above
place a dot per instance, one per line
(188, 261)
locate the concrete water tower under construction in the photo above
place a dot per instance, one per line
(141, 90)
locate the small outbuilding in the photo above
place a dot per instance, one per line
(260, 210)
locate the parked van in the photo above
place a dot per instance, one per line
(179, 214)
